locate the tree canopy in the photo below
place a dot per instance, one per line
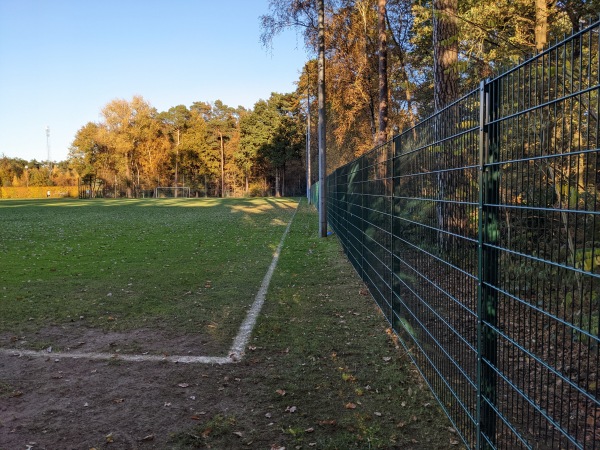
(382, 59)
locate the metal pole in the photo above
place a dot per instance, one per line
(308, 174)
(489, 197)
(321, 125)
(222, 166)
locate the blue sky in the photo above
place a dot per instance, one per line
(62, 61)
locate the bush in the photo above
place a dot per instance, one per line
(256, 190)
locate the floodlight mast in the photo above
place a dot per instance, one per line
(321, 123)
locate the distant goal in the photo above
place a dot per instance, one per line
(171, 192)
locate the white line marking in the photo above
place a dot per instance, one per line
(236, 352)
(241, 340)
(118, 356)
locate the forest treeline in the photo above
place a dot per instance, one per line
(389, 64)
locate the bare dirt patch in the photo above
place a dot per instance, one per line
(68, 403)
(83, 339)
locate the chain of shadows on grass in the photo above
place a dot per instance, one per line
(325, 370)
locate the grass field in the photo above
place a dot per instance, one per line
(190, 265)
(321, 370)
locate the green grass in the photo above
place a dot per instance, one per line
(185, 264)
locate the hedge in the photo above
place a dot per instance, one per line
(39, 192)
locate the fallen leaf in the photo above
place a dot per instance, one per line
(183, 385)
(238, 433)
(387, 358)
(118, 400)
(454, 442)
(150, 437)
(377, 413)
(309, 430)
(327, 422)
(363, 292)
(195, 418)
(350, 405)
(268, 415)
(348, 377)
(291, 409)
(281, 392)
(109, 438)
(277, 447)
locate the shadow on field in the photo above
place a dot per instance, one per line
(321, 371)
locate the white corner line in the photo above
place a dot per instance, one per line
(235, 354)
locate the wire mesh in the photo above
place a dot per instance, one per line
(478, 234)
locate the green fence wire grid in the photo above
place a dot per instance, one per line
(478, 234)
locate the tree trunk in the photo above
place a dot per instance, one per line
(445, 59)
(277, 193)
(383, 82)
(128, 176)
(445, 52)
(541, 24)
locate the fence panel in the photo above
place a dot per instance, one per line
(435, 253)
(478, 234)
(544, 123)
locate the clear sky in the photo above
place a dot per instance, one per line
(62, 61)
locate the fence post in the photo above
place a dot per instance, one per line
(395, 265)
(362, 216)
(489, 196)
(390, 193)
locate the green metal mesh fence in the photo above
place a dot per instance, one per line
(478, 234)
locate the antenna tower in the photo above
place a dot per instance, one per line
(48, 141)
(48, 147)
